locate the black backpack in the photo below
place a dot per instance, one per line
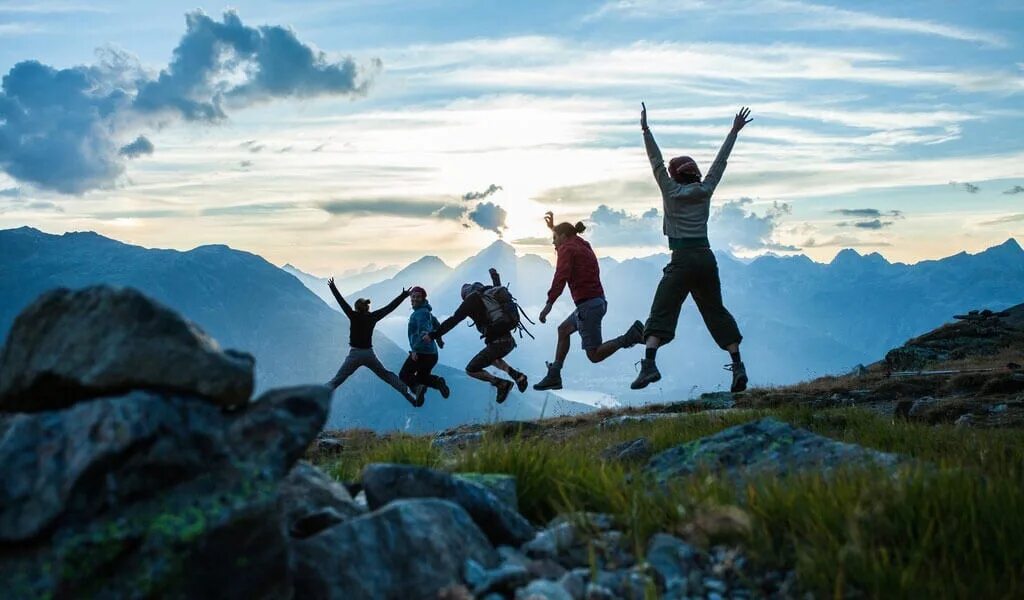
(504, 315)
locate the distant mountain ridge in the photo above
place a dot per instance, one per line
(247, 303)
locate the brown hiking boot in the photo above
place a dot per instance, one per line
(739, 376)
(504, 387)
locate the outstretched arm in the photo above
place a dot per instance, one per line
(654, 153)
(460, 313)
(337, 296)
(380, 313)
(718, 167)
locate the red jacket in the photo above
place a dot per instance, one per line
(577, 266)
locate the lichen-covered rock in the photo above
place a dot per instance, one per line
(503, 486)
(69, 346)
(408, 549)
(384, 483)
(151, 495)
(766, 445)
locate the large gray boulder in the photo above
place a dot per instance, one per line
(406, 550)
(311, 501)
(384, 483)
(69, 346)
(152, 495)
(764, 446)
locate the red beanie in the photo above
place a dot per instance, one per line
(681, 165)
(418, 289)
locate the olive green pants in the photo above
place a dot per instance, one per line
(691, 272)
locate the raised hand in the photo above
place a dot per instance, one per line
(643, 116)
(549, 219)
(330, 282)
(543, 316)
(406, 291)
(741, 119)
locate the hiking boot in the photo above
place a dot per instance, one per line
(648, 374)
(421, 392)
(634, 335)
(411, 399)
(504, 387)
(739, 376)
(551, 381)
(442, 386)
(522, 382)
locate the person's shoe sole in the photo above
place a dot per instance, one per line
(641, 384)
(445, 392)
(639, 328)
(550, 386)
(740, 385)
(503, 392)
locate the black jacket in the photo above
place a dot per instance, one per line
(360, 332)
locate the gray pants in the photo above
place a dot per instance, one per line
(364, 357)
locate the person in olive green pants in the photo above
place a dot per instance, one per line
(693, 269)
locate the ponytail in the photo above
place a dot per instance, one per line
(569, 229)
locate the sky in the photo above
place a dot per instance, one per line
(335, 134)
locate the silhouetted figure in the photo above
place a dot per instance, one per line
(498, 340)
(693, 268)
(577, 266)
(416, 372)
(361, 324)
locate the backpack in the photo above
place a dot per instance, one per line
(504, 315)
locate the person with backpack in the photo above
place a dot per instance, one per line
(361, 324)
(496, 315)
(577, 266)
(416, 372)
(693, 269)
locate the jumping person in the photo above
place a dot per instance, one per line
(577, 266)
(361, 324)
(693, 268)
(498, 341)
(416, 372)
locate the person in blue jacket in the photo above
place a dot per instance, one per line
(416, 372)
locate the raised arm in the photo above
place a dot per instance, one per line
(448, 324)
(380, 313)
(718, 167)
(654, 153)
(337, 296)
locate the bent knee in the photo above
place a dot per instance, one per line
(592, 356)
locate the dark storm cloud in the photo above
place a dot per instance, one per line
(141, 146)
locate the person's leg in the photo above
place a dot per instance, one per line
(349, 366)
(492, 352)
(661, 324)
(424, 369)
(707, 294)
(408, 372)
(553, 379)
(590, 332)
(476, 367)
(499, 350)
(374, 364)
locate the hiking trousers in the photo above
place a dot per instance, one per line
(415, 372)
(364, 357)
(691, 272)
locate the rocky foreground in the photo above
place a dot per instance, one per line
(136, 465)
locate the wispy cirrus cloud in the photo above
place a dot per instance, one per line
(799, 15)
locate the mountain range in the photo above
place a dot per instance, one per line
(247, 303)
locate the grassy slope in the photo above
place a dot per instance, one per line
(950, 531)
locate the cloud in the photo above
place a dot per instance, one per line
(533, 241)
(743, 229)
(614, 227)
(867, 213)
(1017, 189)
(396, 207)
(140, 147)
(489, 216)
(318, 148)
(491, 189)
(451, 211)
(970, 188)
(11, 192)
(872, 224)
(845, 241)
(64, 129)
(1006, 219)
(800, 15)
(245, 164)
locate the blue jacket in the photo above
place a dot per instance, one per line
(421, 321)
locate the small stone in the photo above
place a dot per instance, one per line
(542, 589)
(598, 592)
(921, 406)
(505, 578)
(964, 421)
(473, 572)
(632, 450)
(715, 585)
(574, 584)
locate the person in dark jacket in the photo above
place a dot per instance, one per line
(577, 266)
(416, 372)
(361, 324)
(498, 343)
(693, 270)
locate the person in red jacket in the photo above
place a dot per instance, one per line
(578, 267)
